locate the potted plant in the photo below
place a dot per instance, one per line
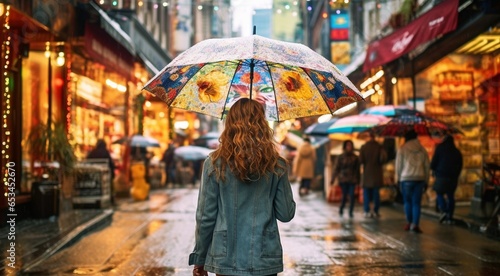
(49, 146)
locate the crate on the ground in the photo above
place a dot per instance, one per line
(92, 184)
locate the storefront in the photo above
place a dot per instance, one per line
(448, 71)
(461, 88)
(101, 87)
(18, 31)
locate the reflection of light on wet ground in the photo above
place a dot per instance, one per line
(153, 226)
(154, 271)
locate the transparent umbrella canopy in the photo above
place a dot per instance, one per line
(289, 79)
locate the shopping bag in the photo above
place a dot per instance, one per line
(334, 193)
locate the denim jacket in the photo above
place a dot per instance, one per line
(236, 223)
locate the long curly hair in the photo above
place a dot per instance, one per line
(247, 145)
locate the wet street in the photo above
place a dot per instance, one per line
(155, 237)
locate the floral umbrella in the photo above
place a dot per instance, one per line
(289, 79)
(422, 125)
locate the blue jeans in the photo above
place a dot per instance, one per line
(369, 195)
(446, 205)
(347, 191)
(305, 183)
(412, 195)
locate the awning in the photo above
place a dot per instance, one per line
(113, 29)
(154, 57)
(473, 24)
(31, 29)
(150, 67)
(101, 48)
(439, 20)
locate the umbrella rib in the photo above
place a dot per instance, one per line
(274, 90)
(229, 88)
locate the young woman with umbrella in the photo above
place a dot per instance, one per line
(244, 191)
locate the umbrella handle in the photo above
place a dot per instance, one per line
(252, 65)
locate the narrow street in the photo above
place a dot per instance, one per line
(155, 237)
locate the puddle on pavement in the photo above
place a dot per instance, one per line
(155, 271)
(153, 226)
(90, 270)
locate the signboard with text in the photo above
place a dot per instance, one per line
(339, 36)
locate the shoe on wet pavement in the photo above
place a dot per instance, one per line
(442, 217)
(407, 227)
(416, 229)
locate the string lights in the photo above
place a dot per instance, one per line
(6, 95)
(69, 96)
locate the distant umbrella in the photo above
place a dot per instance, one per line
(320, 129)
(139, 141)
(422, 125)
(192, 153)
(390, 110)
(356, 123)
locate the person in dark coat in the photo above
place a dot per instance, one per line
(101, 152)
(347, 169)
(372, 157)
(446, 165)
(169, 160)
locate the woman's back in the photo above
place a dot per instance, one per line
(244, 191)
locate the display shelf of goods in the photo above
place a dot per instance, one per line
(470, 176)
(469, 147)
(466, 107)
(470, 120)
(435, 107)
(454, 85)
(471, 132)
(472, 161)
(465, 191)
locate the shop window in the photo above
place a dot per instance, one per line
(35, 96)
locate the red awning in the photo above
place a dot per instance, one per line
(439, 20)
(29, 28)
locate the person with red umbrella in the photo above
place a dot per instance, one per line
(412, 172)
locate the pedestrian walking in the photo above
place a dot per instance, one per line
(446, 165)
(170, 166)
(372, 157)
(347, 169)
(100, 151)
(303, 165)
(412, 171)
(244, 191)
